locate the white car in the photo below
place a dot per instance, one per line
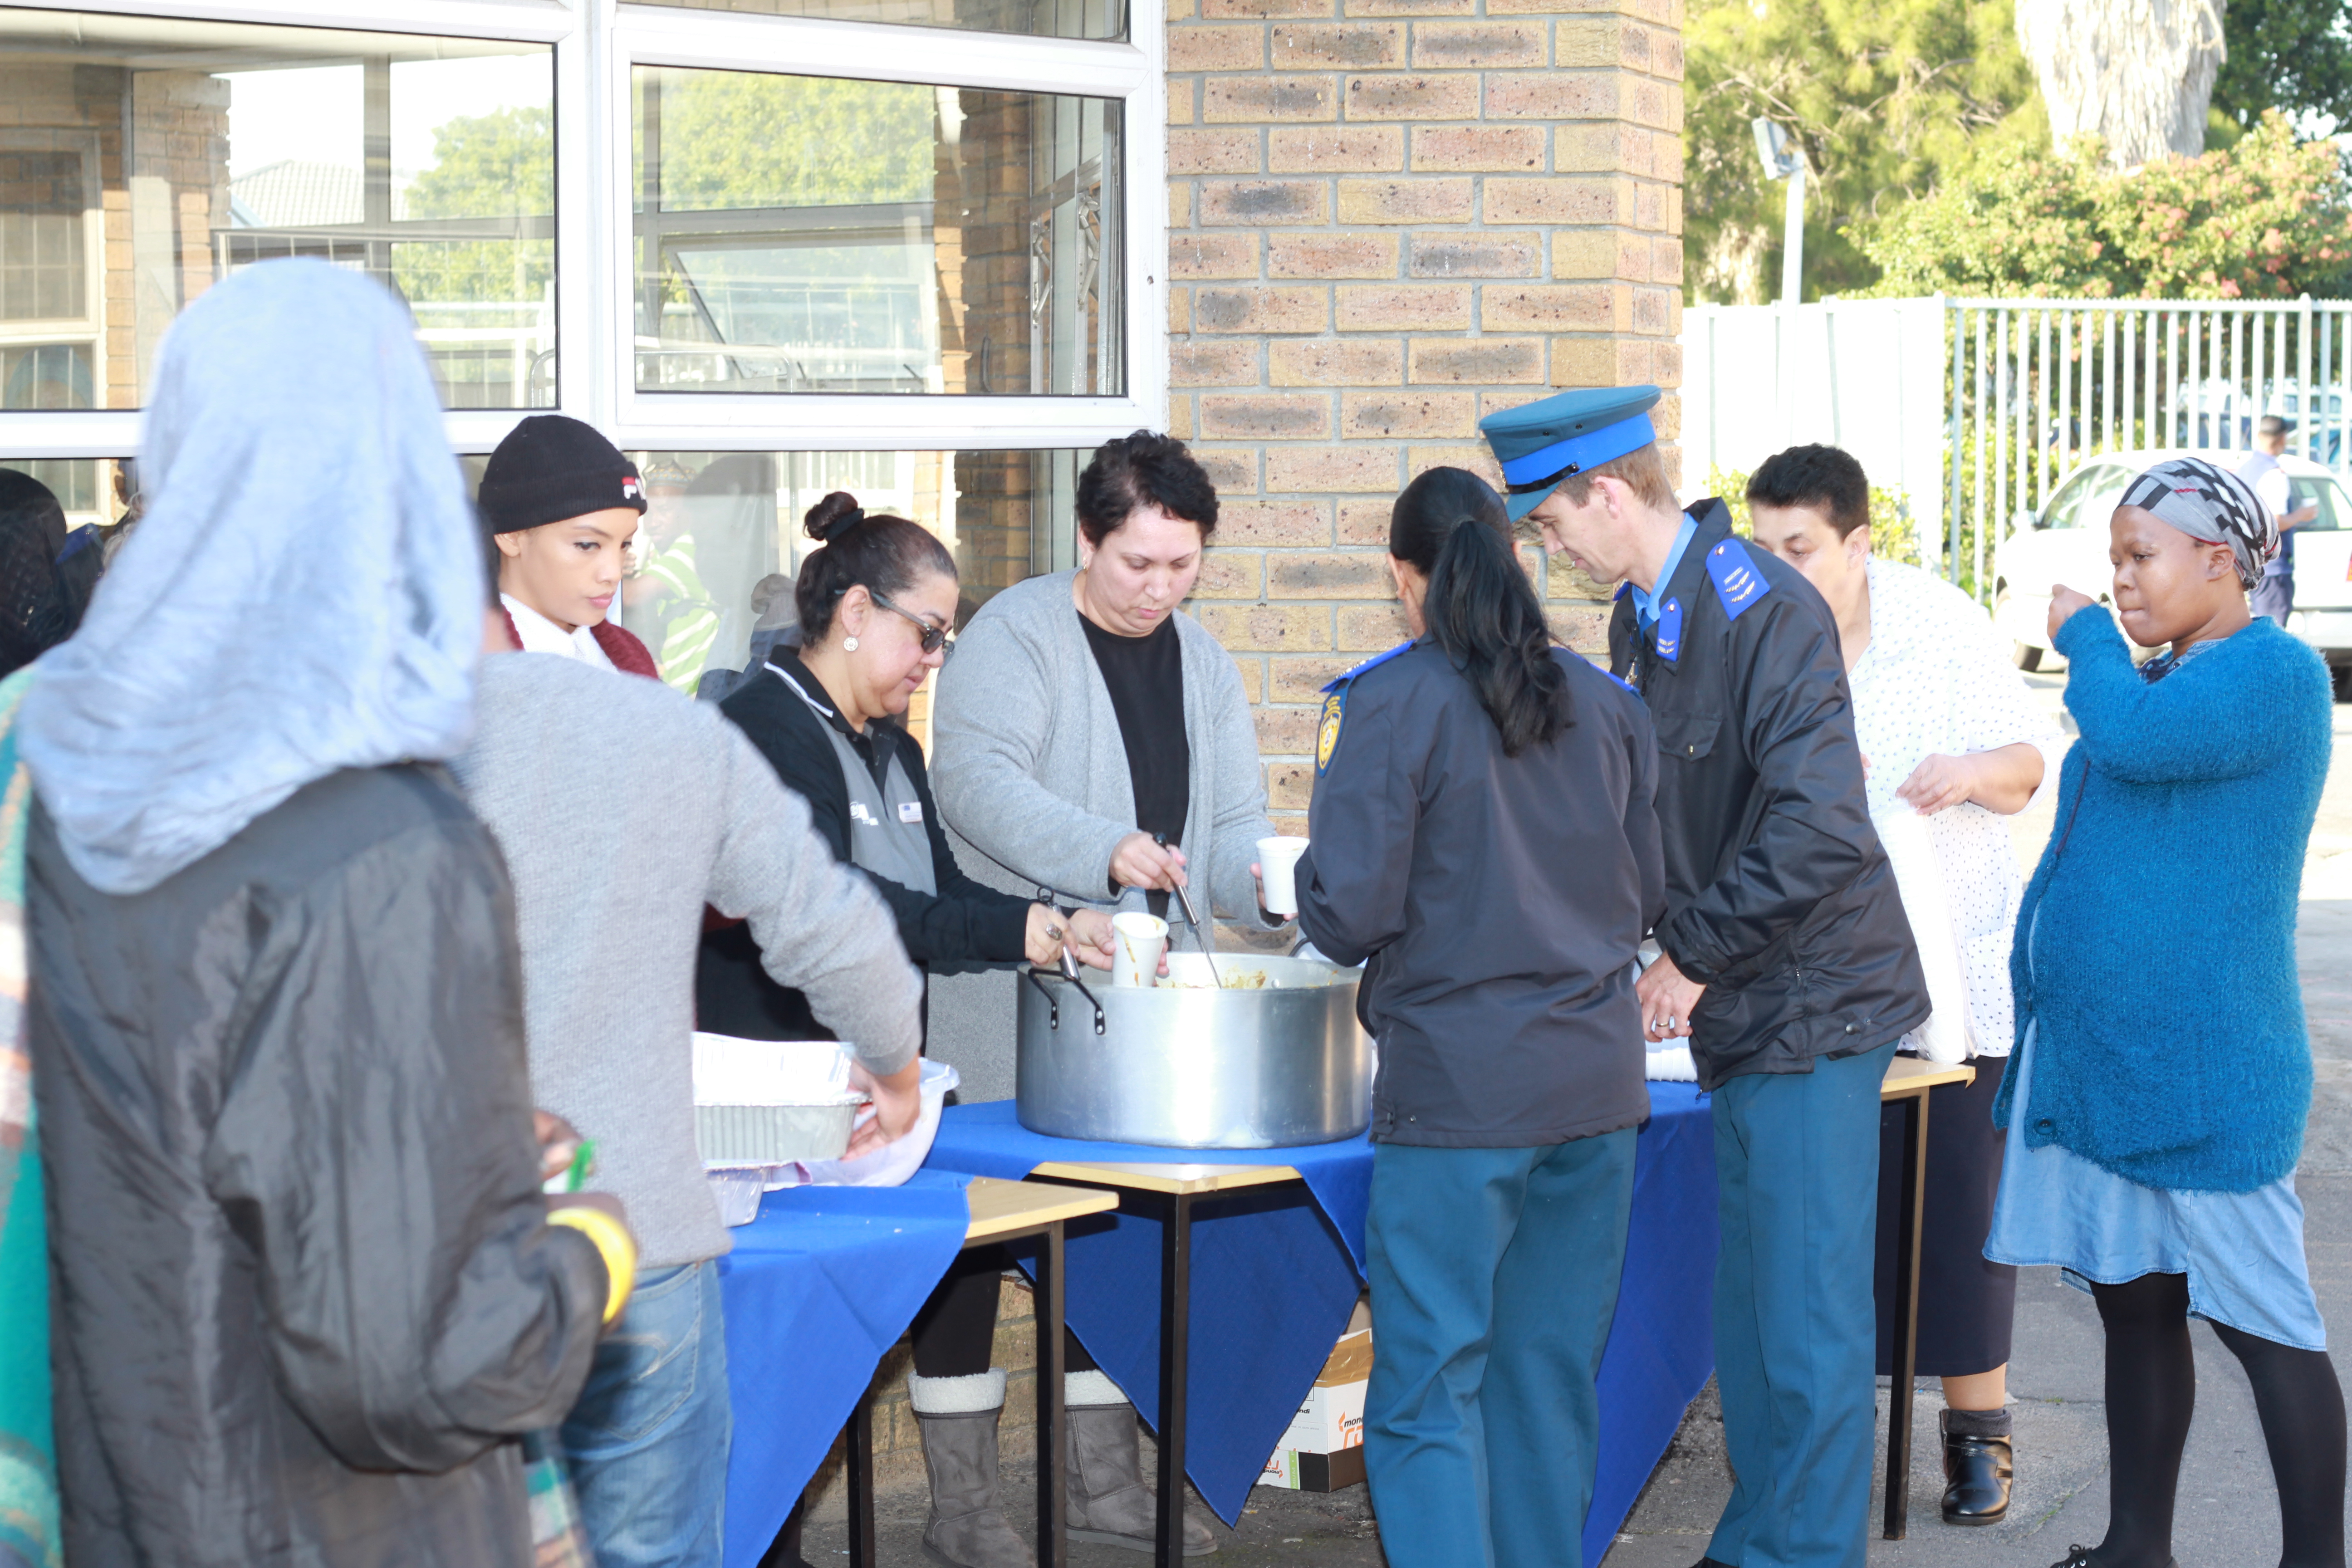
(2067, 542)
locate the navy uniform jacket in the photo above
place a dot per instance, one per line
(1498, 901)
(1779, 899)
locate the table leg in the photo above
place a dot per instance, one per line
(860, 1446)
(1052, 1434)
(1909, 1204)
(1175, 1345)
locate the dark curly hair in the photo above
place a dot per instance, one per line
(1826, 479)
(884, 556)
(1140, 471)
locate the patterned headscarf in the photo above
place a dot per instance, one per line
(2210, 504)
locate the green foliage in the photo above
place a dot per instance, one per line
(1885, 96)
(500, 164)
(2294, 56)
(738, 139)
(2263, 218)
(1894, 531)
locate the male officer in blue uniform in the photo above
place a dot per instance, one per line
(1788, 962)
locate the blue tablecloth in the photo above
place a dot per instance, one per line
(816, 1292)
(1275, 1273)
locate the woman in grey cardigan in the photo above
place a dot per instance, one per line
(1090, 739)
(1085, 718)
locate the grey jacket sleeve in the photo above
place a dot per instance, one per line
(821, 927)
(988, 730)
(1241, 819)
(373, 1152)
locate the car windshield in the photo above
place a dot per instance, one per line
(2066, 507)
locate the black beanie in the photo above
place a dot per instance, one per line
(550, 468)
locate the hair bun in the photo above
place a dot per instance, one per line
(833, 516)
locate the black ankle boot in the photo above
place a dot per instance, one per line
(1978, 1467)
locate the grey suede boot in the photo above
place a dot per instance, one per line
(1108, 1502)
(957, 1417)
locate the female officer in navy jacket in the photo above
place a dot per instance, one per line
(1501, 866)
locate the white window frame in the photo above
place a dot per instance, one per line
(597, 43)
(86, 330)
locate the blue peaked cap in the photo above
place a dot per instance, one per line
(1543, 443)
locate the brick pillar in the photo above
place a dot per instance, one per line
(1387, 218)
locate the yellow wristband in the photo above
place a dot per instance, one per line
(614, 1241)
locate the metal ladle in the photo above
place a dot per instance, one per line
(1192, 919)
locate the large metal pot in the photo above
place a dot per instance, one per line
(1184, 1066)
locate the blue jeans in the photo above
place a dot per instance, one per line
(1796, 1324)
(647, 1441)
(1493, 1276)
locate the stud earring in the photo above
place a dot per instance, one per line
(849, 645)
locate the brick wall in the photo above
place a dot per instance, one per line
(1387, 218)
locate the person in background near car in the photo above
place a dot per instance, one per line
(875, 605)
(1785, 962)
(39, 604)
(1947, 729)
(2156, 1102)
(1458, 777)
(622, 810)
(307, 1292)
(1093, 740)
(564, 505)
(2275, 594)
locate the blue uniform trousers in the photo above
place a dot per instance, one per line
(1796, 1325)
(1493, 1276)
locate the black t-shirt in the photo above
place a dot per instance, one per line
(1145, 677)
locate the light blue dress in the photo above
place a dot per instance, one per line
(2242, 1252)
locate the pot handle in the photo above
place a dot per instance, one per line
(1053, 1008)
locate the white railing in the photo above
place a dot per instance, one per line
(1976, 410)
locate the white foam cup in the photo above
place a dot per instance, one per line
(1137, 942)
(1277, 860)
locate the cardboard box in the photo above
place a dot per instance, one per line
(1322, 1451)
(1300, 1472)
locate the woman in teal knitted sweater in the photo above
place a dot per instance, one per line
(2156, 1102)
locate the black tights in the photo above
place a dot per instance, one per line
(955, 1333)
(2152, 1393)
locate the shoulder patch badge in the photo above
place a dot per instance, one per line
(1736, 581)
(1335, 707)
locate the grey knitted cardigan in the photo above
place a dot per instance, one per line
(621, 808)
(1029, 768)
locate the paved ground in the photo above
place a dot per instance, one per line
(2228, 1513)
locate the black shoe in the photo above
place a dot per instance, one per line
(1977, 1472)
(2077, 1557)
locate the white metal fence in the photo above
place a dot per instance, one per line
(1975, 410)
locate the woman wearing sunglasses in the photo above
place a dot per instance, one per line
(875, 604)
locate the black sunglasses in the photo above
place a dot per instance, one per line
(934, 637)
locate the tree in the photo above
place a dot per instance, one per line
(500, 164)
(1883, 96)
(2136, 74)
(2262, 219)
(739, 139)
(2295, 56)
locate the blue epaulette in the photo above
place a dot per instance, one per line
(1375, 662)
(1335, 707)
(1736, 581)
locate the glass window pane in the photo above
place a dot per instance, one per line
(1036, 18)
(722, 543)
(146, 158)
(808, 233)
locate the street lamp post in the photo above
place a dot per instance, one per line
(1783, 161)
